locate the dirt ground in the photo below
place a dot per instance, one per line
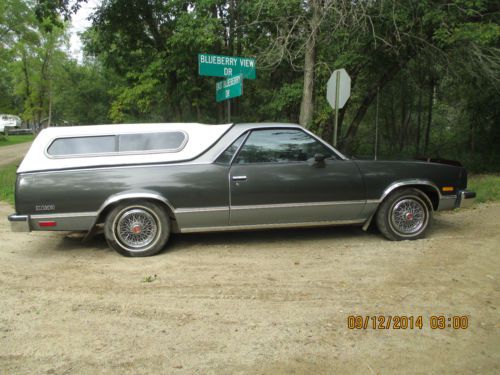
(13, 153)
(255, 302)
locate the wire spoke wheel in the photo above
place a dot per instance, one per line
(136, 228)
(408, 216)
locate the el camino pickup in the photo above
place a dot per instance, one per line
(143, 182)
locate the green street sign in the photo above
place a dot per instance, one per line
(229, 88)
(226, 66)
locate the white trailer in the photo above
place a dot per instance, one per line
(8, 121)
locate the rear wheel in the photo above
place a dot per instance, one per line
(405, 215)
(137, 229)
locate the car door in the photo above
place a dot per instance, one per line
(276, 179)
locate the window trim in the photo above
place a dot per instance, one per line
(250, 131)
(117, 141)
(246, 133)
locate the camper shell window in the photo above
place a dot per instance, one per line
(117, 144)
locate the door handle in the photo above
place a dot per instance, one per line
(239, 178)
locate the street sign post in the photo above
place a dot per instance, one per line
(229, 88)
(226, 66)
(233, 68)
(338, 90)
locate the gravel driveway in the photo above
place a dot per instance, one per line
(11, 154)
(256, 302)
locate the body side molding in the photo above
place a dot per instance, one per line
(270, 226)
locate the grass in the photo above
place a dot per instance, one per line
(486, 186)
(149, 279)
(15, 139)
(7, 183)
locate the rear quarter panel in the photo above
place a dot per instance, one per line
(184, 186)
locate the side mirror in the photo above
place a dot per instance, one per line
(318, 158)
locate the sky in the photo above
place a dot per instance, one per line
(79, 23)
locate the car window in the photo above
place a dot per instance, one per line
(168, 141)
(82, 145)
(226, 156)
(280, 146)
(141, 142)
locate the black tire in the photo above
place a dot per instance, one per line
(405, 214)
(145, 228)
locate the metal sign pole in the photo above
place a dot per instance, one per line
(337, 89)
(229, 111)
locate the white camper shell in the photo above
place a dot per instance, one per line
(106, 145)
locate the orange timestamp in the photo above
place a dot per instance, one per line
(378, 322)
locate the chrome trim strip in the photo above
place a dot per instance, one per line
(246, 135)
(107, 167)
(291, 205)
(63, 215)
(200, 209)
(239, 178)
(123, 196)
(448, 197)
(277, 126)
(398, 184)
(119, 197)
(271, 226)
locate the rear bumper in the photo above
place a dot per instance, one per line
(19, 223)
(70, 221)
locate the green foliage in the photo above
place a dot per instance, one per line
(15, 139)
(435, 66)
(7, 183)
(487, 187)
(149, 278)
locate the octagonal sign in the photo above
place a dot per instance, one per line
(343, 90)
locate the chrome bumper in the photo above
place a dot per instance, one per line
(19, 223)
(465, 198)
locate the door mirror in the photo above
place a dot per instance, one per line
(318, 158)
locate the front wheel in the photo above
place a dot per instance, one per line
(137, 229)
(404, 215)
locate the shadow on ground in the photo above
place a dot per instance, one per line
(256, 238)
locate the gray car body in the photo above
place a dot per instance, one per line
(201, 194)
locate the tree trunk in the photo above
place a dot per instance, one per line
(419, 122)
(404, 112)
(365, 104)
(49, 121)
(471, 133)
(27, 89)
(432, 85)
(307, 104)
